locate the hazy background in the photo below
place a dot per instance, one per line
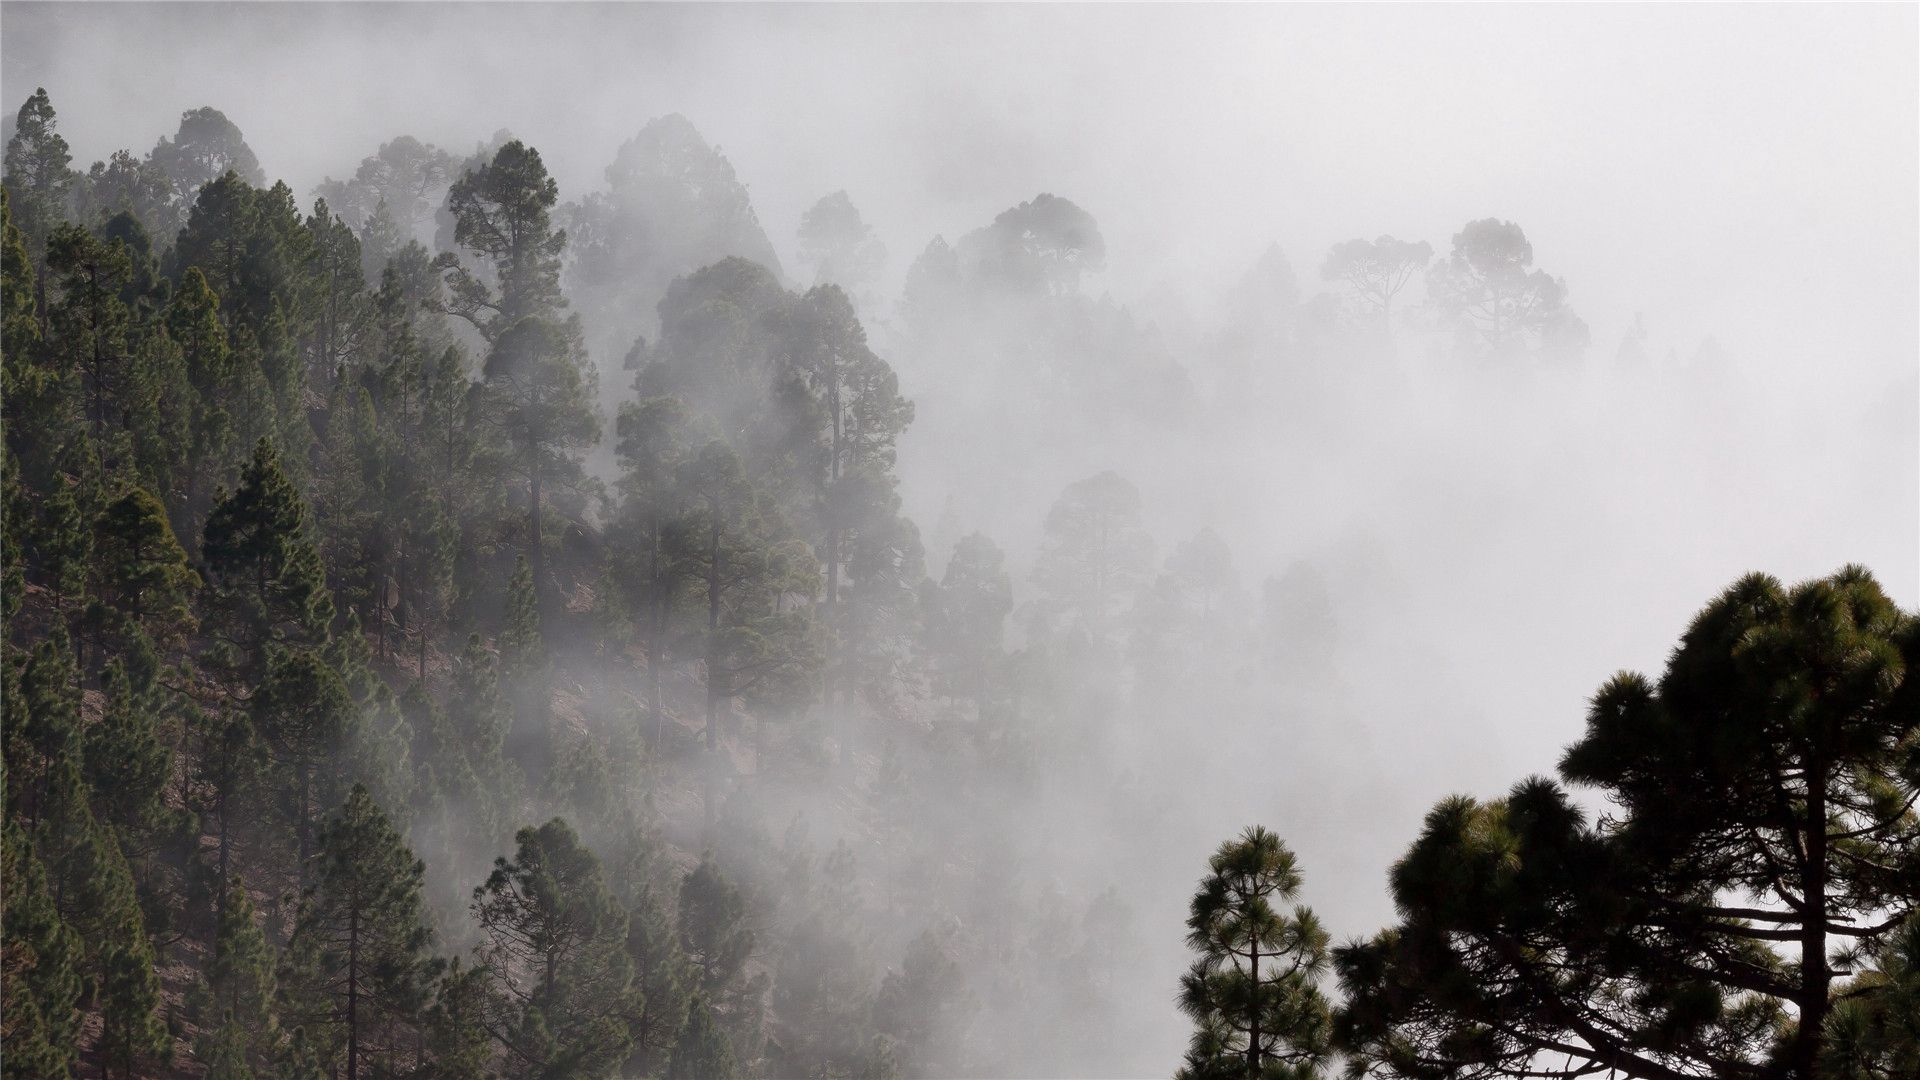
(1496, 542)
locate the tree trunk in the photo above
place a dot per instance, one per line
(714, 676)
(536, 555)
(1814, 975)
(1253, 1020)
(353, 996)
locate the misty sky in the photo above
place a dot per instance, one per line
(1741, 173)
(1694, 163)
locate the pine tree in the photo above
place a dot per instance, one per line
(62, 547)
(742, 566)
(457, 1042)
(39, 174)
(128, 758)
(308, 718)
(228, 779)
(556, 945)
(194, 325)
(641, 563)
(42, 725)
(700, 1052)
(502, 213)
(241, 1029)
(967, 621)
(132, 1035)
(538, 388)
(1251, 1020)
(359, 947)
(524, 673)
(715, 933)
(90, 323)
(41, 396)
(664, 980)
(141, 574)
(266, 585)
(40, 956)
(1759, 798)
(923, 1005)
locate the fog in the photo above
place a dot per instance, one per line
(1495, 536)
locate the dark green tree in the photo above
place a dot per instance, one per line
(701, 1051)
(1761, 798)
(141, 576)
(555, 943)
(41, 956)
(133, 1038)
(1251, 1020)
(266, 583)
(359, 949)
(1873, 1031)
(664, 980)
(539, 393)
(241, 1027)
(524, 674)
(457, 1043)
(502, 213)
(307, 717)
(715, 932)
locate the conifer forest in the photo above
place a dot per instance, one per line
(565, 541)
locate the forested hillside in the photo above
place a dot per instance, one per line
(458, 627)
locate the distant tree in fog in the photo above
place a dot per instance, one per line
(408, 176)
(39, 177)
(1097, 554)
(839, 245)
(1039, 246)
(967, 616)
(207, 147)
(1497, 305)
(672, 205)
(1299, 625)
(1252, 994)
(1376, 270)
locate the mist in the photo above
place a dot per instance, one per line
(1434, 553)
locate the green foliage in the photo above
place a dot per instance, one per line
(715, 933)
(1873, 1032)
(701, 1051)
(266, 585)
(132, 1034)
(40, 958)
(458, 1044)
(241, 1026)
(556, 950)
(39, 178)
(1771, 762)
(141, 574)
(1252, 993)
(128, 754)
(358, 967)
(665, 982)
